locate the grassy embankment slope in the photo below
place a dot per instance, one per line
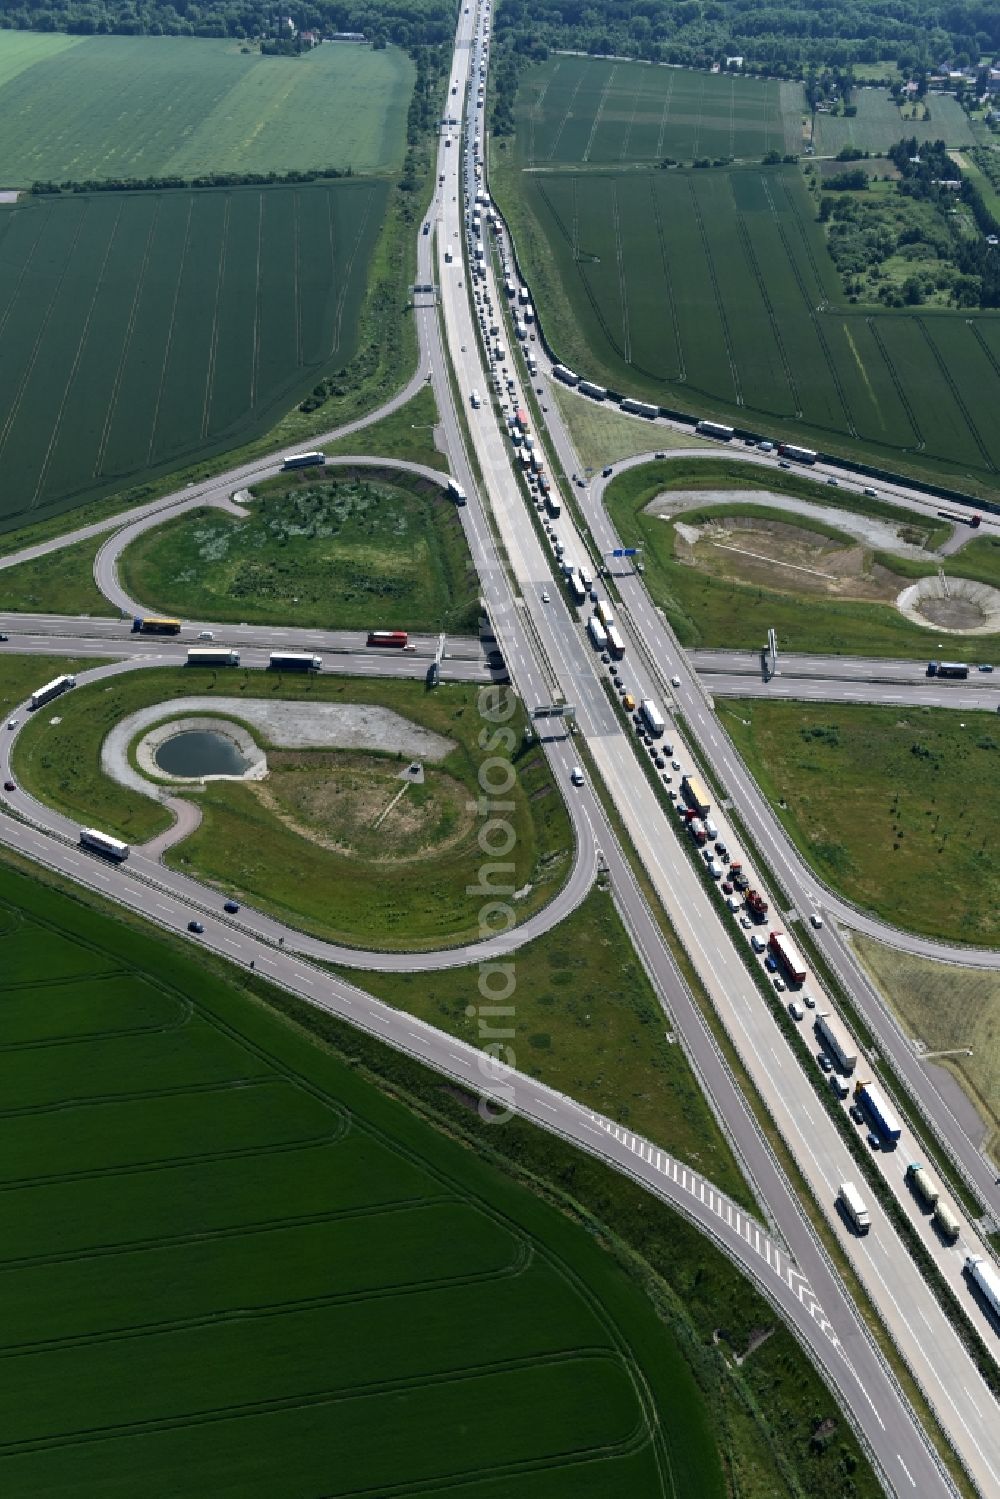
(296, 844)
(712, 611)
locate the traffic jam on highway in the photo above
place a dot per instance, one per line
(508, 339)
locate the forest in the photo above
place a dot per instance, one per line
(403, 22)
(782, 38)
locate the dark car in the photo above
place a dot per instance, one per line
(606, 473)
(232, 906)
(770, 964)
(659, 455)
(195, 926)
(9, 786)
(4, 637)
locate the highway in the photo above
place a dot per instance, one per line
(543, 646)
(932, 1093)
(817, 1148)
(66, 631)
(834, 689)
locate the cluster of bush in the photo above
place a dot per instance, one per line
(952, 259)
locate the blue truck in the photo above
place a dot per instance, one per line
(878, 1113)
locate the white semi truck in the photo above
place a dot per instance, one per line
(50, 690)
(837, 1040)
(854, 1207)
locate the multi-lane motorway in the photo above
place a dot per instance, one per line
(544, 649)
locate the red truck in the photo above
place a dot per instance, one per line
(788, 957)
(756, 905)
(393, 639)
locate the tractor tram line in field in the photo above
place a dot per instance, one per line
(126, 347)
(719, 302)
(154, 424)
(29, 367)
(751, 315)
(213, 345)
(669, 281)
(74, 367)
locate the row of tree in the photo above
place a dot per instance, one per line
(209, 179)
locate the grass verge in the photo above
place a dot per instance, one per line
(587, 1022)
(60, 582)
(21, 675)
(406, 433)
(951, 1009)
(602, 434)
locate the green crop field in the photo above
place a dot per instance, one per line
(141, 331)
(714, 291)
(231, 1264)
(879, 124)
(607, 111)
(139, 106)
(359, 550)
(867, 794)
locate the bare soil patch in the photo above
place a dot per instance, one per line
(361, 806)
(745, 549)
(952, 614)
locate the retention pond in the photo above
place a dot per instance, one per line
(200, 753)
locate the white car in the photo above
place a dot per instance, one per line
(12, 723)
(795, 1010)
(545, 595)
(675, 681)
(779, 983)
(576, 776)
(816, 920)
(808, 1001)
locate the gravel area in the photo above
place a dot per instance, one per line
(868, 529)
(286, 725)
